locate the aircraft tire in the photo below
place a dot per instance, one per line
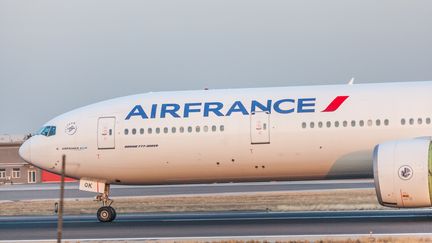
(114, 213)
(105, 214)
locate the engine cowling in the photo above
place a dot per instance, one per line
(403, 173)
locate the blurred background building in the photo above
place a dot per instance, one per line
(13, 169)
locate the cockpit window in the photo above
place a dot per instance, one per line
(48, 131)
(52, 131)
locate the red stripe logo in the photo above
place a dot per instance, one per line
(335, 104)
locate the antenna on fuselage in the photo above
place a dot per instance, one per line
(351, 82)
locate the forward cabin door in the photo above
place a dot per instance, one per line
(260, 127)
(106, 133)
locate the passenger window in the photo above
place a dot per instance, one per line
(222, 128)
(158, 130)
(411, 121)
(419, 121)
(312, 125)
(328, 124)
(142, 131)
(320, 124)
(345, 123)
(353, 123)
(126, 131)
(150, 131)
(370, 123)
(378, 122)
(166, 130)
(304, 125)
(214, 128)
(189, 129)
(206, 128)
(403, 122)
(428, 120)
(197, 129)
(361, 123)
(336, 124)
(386, 122)
(110, 132)
(182, 129)
(173, 130)
(134, 131)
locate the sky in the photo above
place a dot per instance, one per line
(56, 56)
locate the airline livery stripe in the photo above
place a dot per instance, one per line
(335, 104)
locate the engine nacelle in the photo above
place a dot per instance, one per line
(403, 173)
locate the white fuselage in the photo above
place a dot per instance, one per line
(262, 134)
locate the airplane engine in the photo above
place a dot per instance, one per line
(403, 173)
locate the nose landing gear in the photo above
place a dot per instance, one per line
(106, 213)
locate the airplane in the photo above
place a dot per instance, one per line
(379, 130)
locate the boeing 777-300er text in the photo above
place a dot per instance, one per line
(239, 135)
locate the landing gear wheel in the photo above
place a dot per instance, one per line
(114, 213)
(106, 214)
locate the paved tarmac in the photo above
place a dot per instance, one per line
(220, 224)
(51, 191)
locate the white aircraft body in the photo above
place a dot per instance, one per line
(238, 135)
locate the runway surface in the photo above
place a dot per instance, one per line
(220, 224)
(51, 191)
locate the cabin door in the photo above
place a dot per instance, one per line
(260, 127)
(106, 133)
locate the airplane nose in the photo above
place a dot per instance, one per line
(25, 151)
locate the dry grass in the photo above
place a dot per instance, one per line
(381, 239)
(355, 199)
